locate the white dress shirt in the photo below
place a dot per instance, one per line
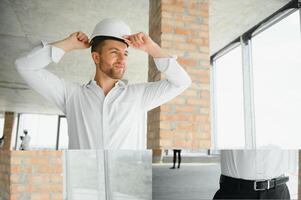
(96, 121)
(258, 164)
(25, 142)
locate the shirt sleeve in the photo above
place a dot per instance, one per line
(31, 67)
(175, 82)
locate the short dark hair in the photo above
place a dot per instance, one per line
(98, 42)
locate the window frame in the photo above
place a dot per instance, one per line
(245, 40)
(16, 132)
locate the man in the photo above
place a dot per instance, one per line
(25, 141)
(104, 113)
(254, 174)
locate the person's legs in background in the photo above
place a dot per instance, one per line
(174, 159)
(179, 157)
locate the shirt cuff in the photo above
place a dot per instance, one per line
(56, 53)
(163, 63)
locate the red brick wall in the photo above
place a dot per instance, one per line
(181, 27)
(35, 175)
(4, 174)
(5, 156)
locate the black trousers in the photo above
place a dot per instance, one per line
(175, 152)
(279, 192)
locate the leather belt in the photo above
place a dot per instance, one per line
(256, 185)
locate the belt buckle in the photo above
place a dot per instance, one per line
(261, 180)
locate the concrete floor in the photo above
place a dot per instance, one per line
(190, 182)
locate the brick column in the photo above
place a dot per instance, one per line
(8, 129)
(36, 175)
(181, 27)
(4, 174)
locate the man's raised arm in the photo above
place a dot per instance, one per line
(177, 80)
(31, 67)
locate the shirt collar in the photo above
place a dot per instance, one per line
(119, 83)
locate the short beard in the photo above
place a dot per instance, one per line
(111, 73)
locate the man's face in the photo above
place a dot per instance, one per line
(113, 58)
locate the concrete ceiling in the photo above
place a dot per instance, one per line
(228, 19)
(25, 22)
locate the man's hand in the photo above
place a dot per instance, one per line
(77, 40)
(143, 42)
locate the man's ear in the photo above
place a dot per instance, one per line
(95, 56)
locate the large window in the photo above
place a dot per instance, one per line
(257, 99)
(277, 83)
(228, 87)
(43, 131)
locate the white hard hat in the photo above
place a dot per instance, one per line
(111, 27)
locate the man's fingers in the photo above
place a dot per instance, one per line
(87, 44)
(135, 40)
(81, 36)
(128, 41)
(84, 39)
(131, 40)
(140, 37)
